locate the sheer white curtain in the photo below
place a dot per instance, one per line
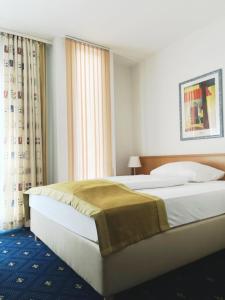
(20, 126)
(89, 111)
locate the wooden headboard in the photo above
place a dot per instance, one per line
(151, 162)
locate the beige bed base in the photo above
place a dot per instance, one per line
(137, 263)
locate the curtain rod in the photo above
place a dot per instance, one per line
(26, 36)
(87, 42)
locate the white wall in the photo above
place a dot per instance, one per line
(156, 92)
(124, 139)
(57, 112)
(146, 100)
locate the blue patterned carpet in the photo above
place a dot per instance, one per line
(30, 271)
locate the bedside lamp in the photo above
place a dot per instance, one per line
(134, 162)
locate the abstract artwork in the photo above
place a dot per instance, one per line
(201, 107)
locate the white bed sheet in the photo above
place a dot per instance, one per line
(192, 202)
(184, 204)
(140, 182)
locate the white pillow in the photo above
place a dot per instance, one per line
(193, 171)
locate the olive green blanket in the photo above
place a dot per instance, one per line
(122, 216)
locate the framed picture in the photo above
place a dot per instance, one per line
(201, 107)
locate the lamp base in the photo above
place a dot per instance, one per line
(133, 171)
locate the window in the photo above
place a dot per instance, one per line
(89, 111)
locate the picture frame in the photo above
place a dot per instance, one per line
(201, 107)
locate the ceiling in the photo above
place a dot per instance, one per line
(132, 28)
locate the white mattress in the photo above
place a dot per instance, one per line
(65, 215)
(184, 204)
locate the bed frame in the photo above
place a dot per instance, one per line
(144, 260)
(151, 162)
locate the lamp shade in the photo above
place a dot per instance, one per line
(134, 162)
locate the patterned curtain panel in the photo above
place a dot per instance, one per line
(89, 111)
(21, 161)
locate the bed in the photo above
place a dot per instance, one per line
(73, 237)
